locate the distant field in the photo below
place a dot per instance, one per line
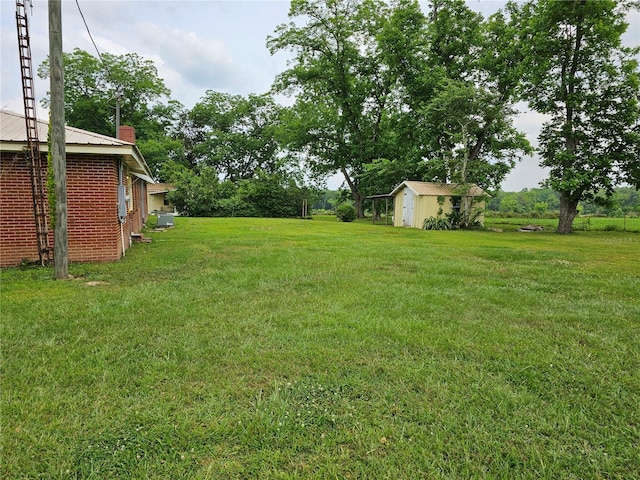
(631, 224)
(260, 348)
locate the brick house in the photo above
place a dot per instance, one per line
(106, 193)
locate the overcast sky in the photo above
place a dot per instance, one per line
(200, 45)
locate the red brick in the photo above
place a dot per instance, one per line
(92, 213)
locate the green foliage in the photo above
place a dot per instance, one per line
(202, 194)
(459, 75)
(236, 135)
(437, 223)
(273, 196)
(455, 218)
(346, 212)
(91, 87)
(342, 84)
(325, 200)
(586, 224)
(545, 202)
(589, 86)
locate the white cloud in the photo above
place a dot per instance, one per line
(527, 174)
(204, 62)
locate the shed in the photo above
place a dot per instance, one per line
(416, 201)
(157, 201)
(100, 221)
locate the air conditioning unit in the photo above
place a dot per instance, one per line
(165, 221)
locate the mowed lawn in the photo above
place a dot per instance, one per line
(260, 348)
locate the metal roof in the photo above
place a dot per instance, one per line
(12, 129)
(160, 188)
(430, 188)
(13, 137)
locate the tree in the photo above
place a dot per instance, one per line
(200, 193)
(196, 193)
(236, 135)
(469, 115)
(454, 101)
(341, 82)
(274, 195)
(92, 85)
(589, 84)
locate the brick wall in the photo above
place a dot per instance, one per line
(92, 210)
(17, 230)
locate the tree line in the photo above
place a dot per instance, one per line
(385, 92)
(545, 202)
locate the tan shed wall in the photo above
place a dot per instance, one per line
(480, 205)
(427, 206)
(156, 202)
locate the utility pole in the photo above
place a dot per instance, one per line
(58, 151)
(118, 96)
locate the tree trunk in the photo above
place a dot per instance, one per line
(358, 199)
(375, 212)
(568, 211)
(466, 211)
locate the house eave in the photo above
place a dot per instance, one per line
(129, 152)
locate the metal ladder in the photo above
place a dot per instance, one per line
(37, 166)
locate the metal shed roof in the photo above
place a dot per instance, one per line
(159, 188)
(13, 137)
(430, 188)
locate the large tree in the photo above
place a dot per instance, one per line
(588, 84)
(453, 114)
(93, 84)
(236, 135)
(92, 87)
(341, 82)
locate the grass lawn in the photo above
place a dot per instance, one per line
(260, 348)
(630, 224)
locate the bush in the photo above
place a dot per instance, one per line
(433, 223)
(346, 212)
(322, 211)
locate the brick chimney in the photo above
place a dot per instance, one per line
(127, 134)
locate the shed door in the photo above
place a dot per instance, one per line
(407, 208)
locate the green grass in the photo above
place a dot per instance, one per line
(257, 348)
(631, 224)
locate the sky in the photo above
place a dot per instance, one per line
(198, 45)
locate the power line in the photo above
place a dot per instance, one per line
(91, 36)
(104, 64)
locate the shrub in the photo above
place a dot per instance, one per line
(346, 212)
(433, 223)
(322, 211)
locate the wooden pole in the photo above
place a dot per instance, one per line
(58, 152)
(386, 211)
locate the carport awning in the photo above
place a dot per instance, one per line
(144, 177)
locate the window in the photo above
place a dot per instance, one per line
(129, 194)
(456, 203)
